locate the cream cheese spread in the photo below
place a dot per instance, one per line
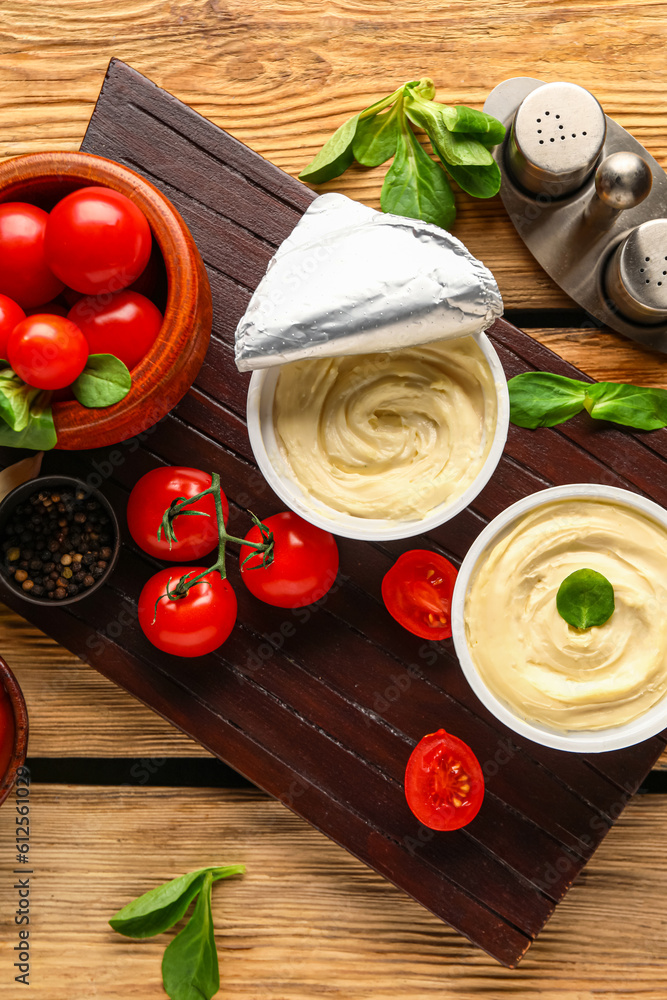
(388, 435)
(545, 670)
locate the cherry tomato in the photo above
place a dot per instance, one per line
(97, 240)
(7, 731)
(153, 494)
(305, 562)
(11, 315)
(24, 273)
(193, 625)
(47, 352)
(417, 592)
(125, 324)
(444, 784)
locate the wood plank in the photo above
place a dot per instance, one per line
(76, 712)
(283, 77)
(308, 920)
(266, 723)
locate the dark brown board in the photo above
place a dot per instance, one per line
(322, 707)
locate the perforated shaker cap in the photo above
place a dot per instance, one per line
(556, 139)
(636, 277)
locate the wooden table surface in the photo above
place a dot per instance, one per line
(120, 800)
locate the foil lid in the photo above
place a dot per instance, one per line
(350, 280)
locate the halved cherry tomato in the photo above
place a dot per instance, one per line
(125, 324)
(97, 240)
(417, 592)
(150, 498)
(193, 625)
(11, 315)
(24, 272)
(444, 783)
(47, 352)
(305, 562)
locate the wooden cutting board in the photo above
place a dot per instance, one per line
(321, 707)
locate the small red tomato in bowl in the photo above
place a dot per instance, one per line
(304, 566)
(47, 352)
(153, 494)
(125, 324)
(97, 240)
(24, 273)
(444, 783)
(192, 625)
(11, 315)
(417, 592)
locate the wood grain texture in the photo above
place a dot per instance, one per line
(307, 920)
(300, 719)
(282, 76)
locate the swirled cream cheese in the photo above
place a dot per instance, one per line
(530, 658)
(387, 435)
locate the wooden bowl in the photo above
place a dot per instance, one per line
(20, 714)
(166, 373)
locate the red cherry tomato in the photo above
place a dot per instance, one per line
(7, 731)
(154, 493)
(444, 784)
(126, 325)
(305, 562)
(11, 315)
(193, 625)
(417, 592)
(47, 352)
(97, 240)
(24, 273)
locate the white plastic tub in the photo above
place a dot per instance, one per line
(583, 741)
(279, 476)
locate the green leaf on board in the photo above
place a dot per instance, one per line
(632, 405)
(541, 399)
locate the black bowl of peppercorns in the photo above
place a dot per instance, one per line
(59, 540)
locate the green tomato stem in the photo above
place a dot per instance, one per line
(265, 547)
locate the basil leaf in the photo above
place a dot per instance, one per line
(585, 599)
(540, 399)
(190, 963)
(631, 405)
(15, 399)
(39, 434)
(104, 381)
(160, 908)
(486, 128)
(376, 138)
(335, 155)
(461, 150)
(480, 182)
(415, 186)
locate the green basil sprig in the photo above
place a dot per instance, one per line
(190, 962)
(415, 186)
(585, 599)
(104, 381)
(541, 399)
(26, 420)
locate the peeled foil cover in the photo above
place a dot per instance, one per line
(350, 280)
